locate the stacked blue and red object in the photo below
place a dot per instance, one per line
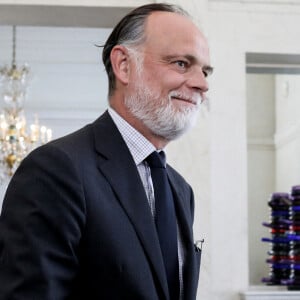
(284, 227)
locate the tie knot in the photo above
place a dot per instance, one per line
(157, 160)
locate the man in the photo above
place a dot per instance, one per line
(79, 216)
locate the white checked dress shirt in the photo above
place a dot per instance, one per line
(140, 148)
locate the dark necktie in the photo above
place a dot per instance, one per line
(165, 219)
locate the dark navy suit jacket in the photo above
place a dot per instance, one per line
(76, 224)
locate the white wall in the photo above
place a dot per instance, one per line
(261, 168)
(287, 131)
(234, 30)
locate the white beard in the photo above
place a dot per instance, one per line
(160, 115)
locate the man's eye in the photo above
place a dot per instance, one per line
(207, 71)
(181, 63)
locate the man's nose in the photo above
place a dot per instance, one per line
(197, 80)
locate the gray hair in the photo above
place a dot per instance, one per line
(130, 32)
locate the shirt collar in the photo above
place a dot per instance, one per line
(137, 144)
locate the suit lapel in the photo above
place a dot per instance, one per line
(184, 218)
(117, 165)
(182, 208)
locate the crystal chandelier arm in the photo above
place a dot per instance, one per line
(13, 46)
(15, 140)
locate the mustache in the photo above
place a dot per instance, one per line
(194, 98)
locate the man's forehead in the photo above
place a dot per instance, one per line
(171, 34)
(160, 22)
(168, 27)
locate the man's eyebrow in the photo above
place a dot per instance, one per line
(189, 57)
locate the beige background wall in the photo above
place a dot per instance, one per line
(213, 156)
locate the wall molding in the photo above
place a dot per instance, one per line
(261, 144)
(63, 122)
(273, 2)
(280, 140)
(270, 293)
(262, 6)
(71, 115)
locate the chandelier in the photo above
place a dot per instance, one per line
(16, 140)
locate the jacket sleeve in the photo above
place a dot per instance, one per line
(42, 219)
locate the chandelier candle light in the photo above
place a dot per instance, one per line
(15, 140)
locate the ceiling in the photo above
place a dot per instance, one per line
(74, 16)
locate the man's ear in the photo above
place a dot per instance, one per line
(120, 63)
